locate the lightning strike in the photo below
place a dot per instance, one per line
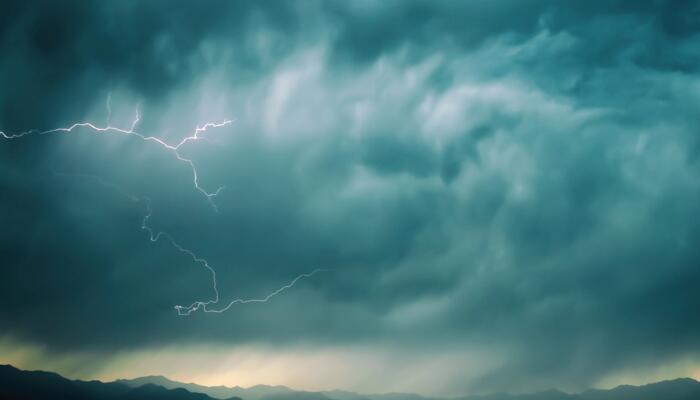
(175, 149)
(203, 305)
(156, 235)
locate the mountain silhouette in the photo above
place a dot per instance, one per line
(39, 385)
(256, 392)
(678, 389)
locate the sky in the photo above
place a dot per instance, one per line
(500, 195)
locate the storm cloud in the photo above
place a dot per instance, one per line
(520, 179)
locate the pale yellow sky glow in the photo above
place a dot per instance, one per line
(360, 368)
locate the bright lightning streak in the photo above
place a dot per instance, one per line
(203, 305)
(175, 149)
(155, 236)
(197, 305)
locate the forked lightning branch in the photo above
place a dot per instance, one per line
(208, 306)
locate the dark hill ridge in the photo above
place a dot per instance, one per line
(155, 392)
(39, 385)
(681, 389)
(256, 392)
(678, 389)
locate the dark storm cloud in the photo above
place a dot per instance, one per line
(516, 176)
(53, 49)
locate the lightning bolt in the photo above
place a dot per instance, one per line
(156, 235)
(203, 304)
(153, 234)
(173, 148)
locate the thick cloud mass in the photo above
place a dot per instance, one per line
(517, 177)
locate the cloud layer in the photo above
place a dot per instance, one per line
(518, 180)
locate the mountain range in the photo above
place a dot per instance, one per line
(40, 385)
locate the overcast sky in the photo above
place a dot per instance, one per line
(505, 194)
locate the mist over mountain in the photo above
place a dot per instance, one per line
(677, 389)
(40, 385)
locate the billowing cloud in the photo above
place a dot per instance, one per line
(516, 178)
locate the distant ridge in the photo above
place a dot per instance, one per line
(256, 392)
(677, 389)
(681, 389)
(40, 385)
